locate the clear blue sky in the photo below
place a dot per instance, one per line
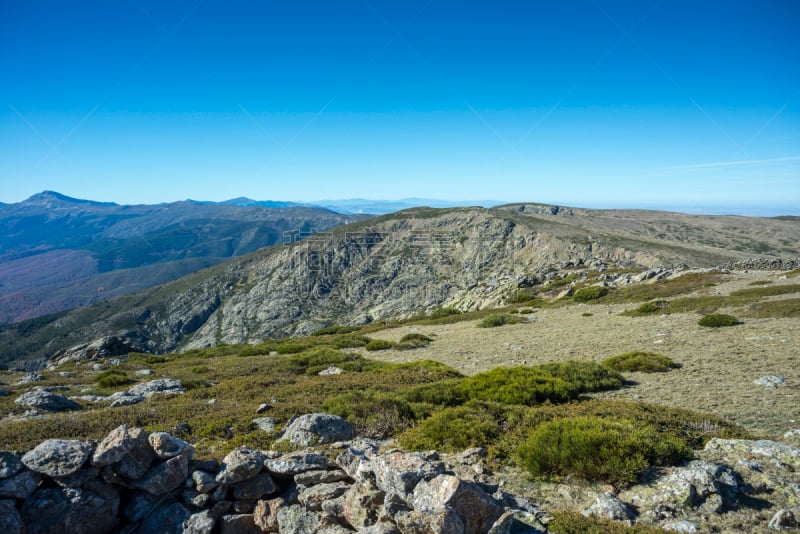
(606, 103)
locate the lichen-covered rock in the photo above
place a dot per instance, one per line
(9, 464)
(166, 476)
(312, 497)
(46, 400)
(683, 526)
(71, 510)
(78, 478)
(608, 506)
(166, 446)
(292, 464)
(441, 521)
(782, 519)
(267, 424)
(20, 486)
(126, 399)
(297, 520)
(239, 465)
(400, 472)
(258, 487)
(517, 522)
(477, 508)
(204, 482)
(265, 514)
(200, 523)
(10, 520)
(779, 454)
(320, 476)
(238, 524)
(362, 504)
(57, 457)
(114, 446)
(159, 386)
(139, 457)
(317, 429)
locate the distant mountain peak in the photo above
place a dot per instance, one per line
(51, 198)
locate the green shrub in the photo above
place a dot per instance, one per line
(454, 429)
(616, 452)
(570, 522)
(647, 307)
(586, 314)
(374, 414)
(200, 369)
(112, 378)
(413, 341)
(717, 320)
(152, 360)
(292, 347)
(498, 319)
(643, 362)
(335, 329)
(312, 361)
(379, 344)
(444, 312)
(518, 385)
(442, 393)
(194, 383)
(585, 294)
(584, 376)
(348, 342)
(526, 310)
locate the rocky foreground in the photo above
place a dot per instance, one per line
(133, 481)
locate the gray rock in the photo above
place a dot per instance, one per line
(9, 464)
(400, 472)
(10, 520)
(517, 522)
(78, 478)
(320, 476)
(265, 514)
(290, 465)
(126, 400)
(267, 424)
(442, 521)
(30, 377)
(139, 457)
(114, 447)
(312, 497)
(238, 524)
(57, 457)
(682, 525)
(608, 506)
(255, 488)
(200, 523)
(70, 511)
(263, 407)
(165, 476)
(782, 519)
(779, 454)
(393, 504)
(380, 528)
(297, 520)
(362, 505)
(769, 381)
(139, 505)
(332, 370)
(20, 486)
(46, 400)
(239, 465)
(166, 446)
(317, 429)
(477, 508)
(144, 372)
(166, 519)
(204, 481)
(160, 386)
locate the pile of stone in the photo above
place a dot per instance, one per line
(763, 264)
(133, 481)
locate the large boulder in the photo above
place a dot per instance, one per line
(46, 400)
(399, 472)
(292, 464)
(166, 519)
(114, 447)
(165, 446)
(239, 465)
(467, 499)
(165, 476)
(265, 515)
(20, 486)
(317, 429)
(57, 457)
(92, 508)
(139, 457)
(161, 386)
(296, 519)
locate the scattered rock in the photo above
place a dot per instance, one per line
(467, 499)
(608, 506)
(263, 407)
(770, 381)
(317, 429)
(312, 497)
(46, 400)
(160, 386)
(782, 519)
(239, 465)
(333, 370)
(779, 454)
(165, 446)
(30, 377)
(683, 526)
(267, 424)
(144, 372)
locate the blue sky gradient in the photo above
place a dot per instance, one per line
(655, 104)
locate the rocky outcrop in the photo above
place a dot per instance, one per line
(42, 399)
(317, 429)
(137, 482)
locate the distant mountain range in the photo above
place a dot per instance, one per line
(354, 206)
(59, 252)
(390, 266)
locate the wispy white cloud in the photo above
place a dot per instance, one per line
(733, 163)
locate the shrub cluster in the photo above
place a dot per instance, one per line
(498, 319)
(112, 378)
(718, 320)
(585, 294)
(643, 362)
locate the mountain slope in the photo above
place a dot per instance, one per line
(55, 251)
(391, 266)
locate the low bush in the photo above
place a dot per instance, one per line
(374, 414)
(456, 428)
(570, 522)
(718, 320)
(638, 361)
(443, 393)
(586, 294)
(200, 369)
(597, 449)
(379, 344)
(413, 341)
(112, 378)
(518, 385)
(498, 319)
(444, 312)
(648, 307)
(584, 376)
(335, 329)
(194, 383)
